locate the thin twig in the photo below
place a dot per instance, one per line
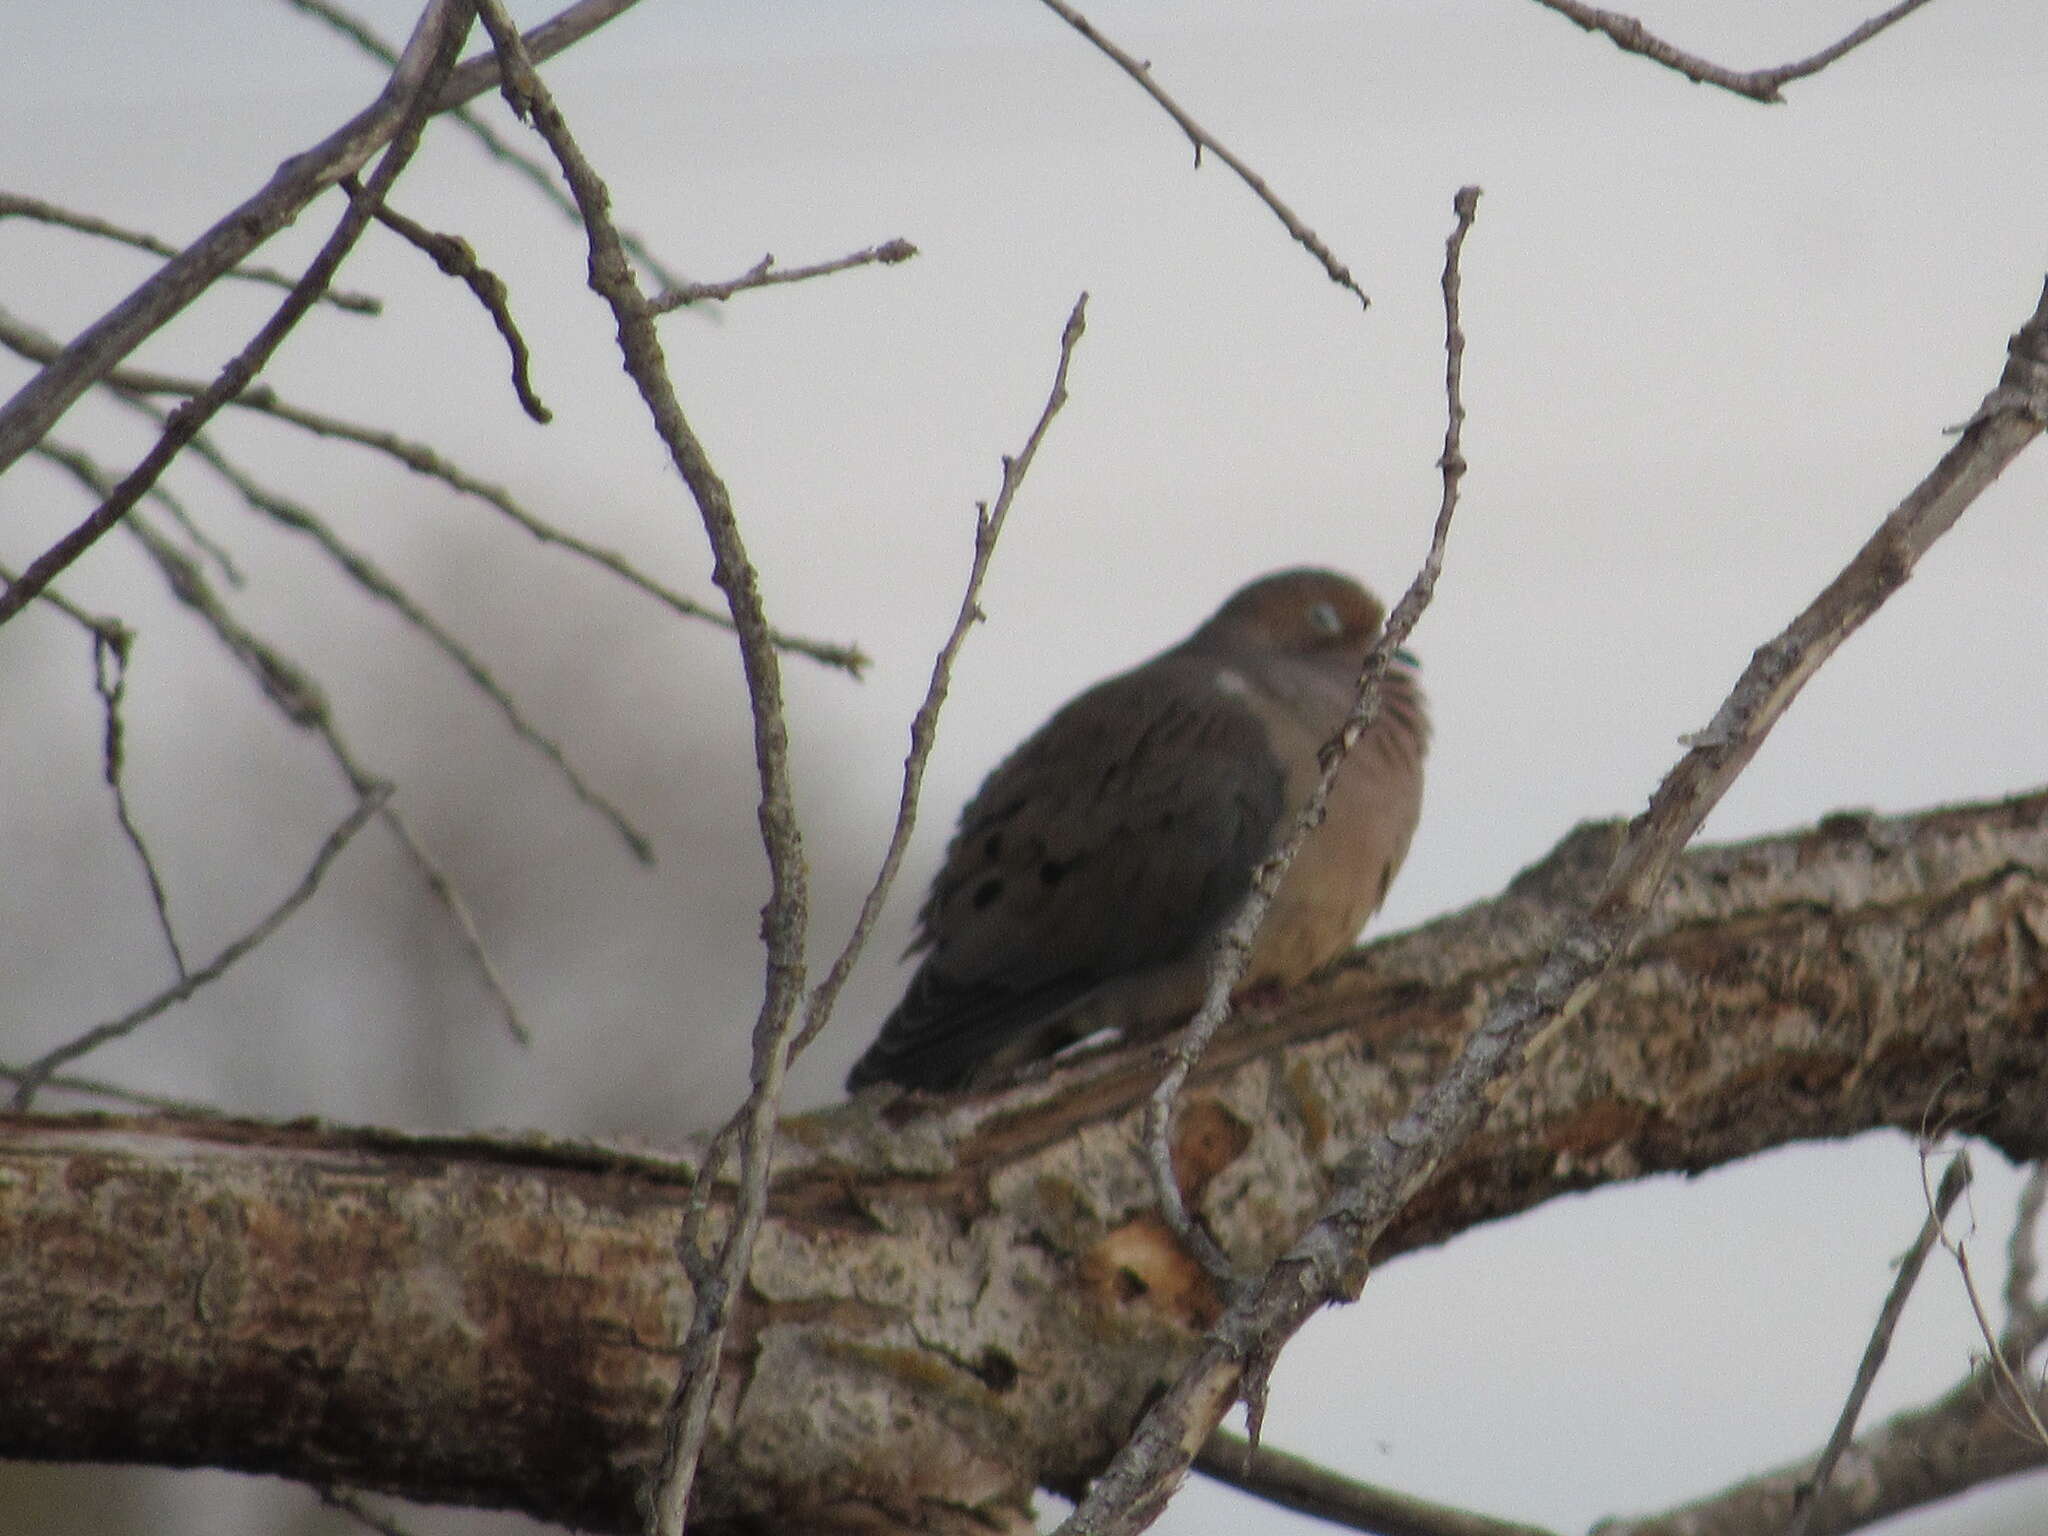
(785, 921)
(1235, 944)
(2000, 1367)
(1373, 1185)
(988, 527)
(421, 459)
(350, 1504)
(1954, 1180)
(1631, 36)
(100, 1088)
(2025, 1312)
(297, 181)
(765, 274)
(440, 34)
(1203, 140)
(98, 625)
(13, 204)
(1295, 1483)
(534, 170)
(366, 574)
(454, 256)
(303, 703)
(110, 682)
(38, 1071)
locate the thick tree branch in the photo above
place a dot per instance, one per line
(955, 1300)
(1330, 1259)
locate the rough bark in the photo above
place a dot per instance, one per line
(954, 1301)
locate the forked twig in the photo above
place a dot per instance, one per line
(37, 1072)
(765, 274)
(421, 459)
(1203, 140)
(1234, 946)
(1954, 1180)
(436, 42)
(534, 171)
(110, 682)
(13, 204)
(1631, 36)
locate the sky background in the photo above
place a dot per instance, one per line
(1710, 344)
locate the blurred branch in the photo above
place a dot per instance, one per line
(37, 405)
(1295, 1483)
(457, 259)
(1954, 1180)
(421, 459)
(350, 1504)
(2026, 1312)
(533, 170)
(1202, 139)
(302, 702)
(1375, 1182)
(110, 682)
(379, 584)
(440, 34)
(765, 274)
(13, 204)
(32, 1077)
(1631, 36)
(100, 1088)
(1999, 1368)
(1234, 947)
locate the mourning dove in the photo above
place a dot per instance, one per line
(1092, 868)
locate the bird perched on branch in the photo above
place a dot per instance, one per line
(1090, 872)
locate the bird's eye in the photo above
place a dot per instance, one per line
(1324, 619)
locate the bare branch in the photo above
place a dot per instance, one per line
(37, 405)
(421, 459)
(100, 1088)
(535, 171)
(440, 34)
(110, 682)
(1234, 945)
(1954, 1180)
(37, 1072)
(1331, 1260)
(2001, 1369)
(456, 257)
(366, 574)
(1631, 36)
(2026, 1313)
(13, 204)
(302, 702)
(785, 921)
(765, 274)
(988, 527)
(99, 626)
(1203, 140)
(352, 1505)
(1292, 1482)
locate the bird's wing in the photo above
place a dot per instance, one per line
(1112, 841)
